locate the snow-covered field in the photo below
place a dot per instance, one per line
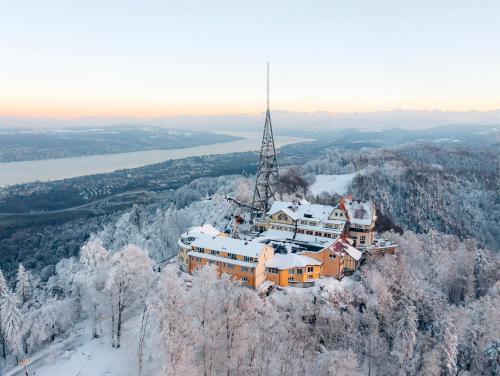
(332, 183)
(81, 356)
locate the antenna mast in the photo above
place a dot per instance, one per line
(268, 86)
(267, 178)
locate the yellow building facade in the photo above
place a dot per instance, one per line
(293, 270)
(244, 260)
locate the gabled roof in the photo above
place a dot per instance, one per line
(344, 246)
(291, 260)
(230, 245)
(298, 210)
(359, 212)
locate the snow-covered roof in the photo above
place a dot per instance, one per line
(250, 248)
(221, 259)
(299, 210)
(343, 245)
(303, 238)
(359, 212)
(291, 260)
(207, 228)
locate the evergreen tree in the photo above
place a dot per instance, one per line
(10, 321)
(3, 284)
(3, 290)
(23, 285)
(135, 217)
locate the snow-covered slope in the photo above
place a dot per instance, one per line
(81, 356)
(332, 183)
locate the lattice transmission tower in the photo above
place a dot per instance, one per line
(267, 179)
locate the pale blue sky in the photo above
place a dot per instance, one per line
(153, 58)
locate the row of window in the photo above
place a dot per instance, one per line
(309, 276)
(310, 269)
(310, 223)
(244, 269)
(307, 232)
(331, 225)
(229, 255)
(282, 228)
(317, 233)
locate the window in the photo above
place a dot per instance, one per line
(282, 217)
(214, 252)
(230, 266)
(291, 271)
(198, 259)
(199, 249)
(248, 259)
(211, 262)
(272, 270)
(313, 223)
(310, 269)
(244, 269)
(299, 271)
(310, 276)
(332, 255)
(245, 280)
(290, 279)
(362, 238)
(231, 256)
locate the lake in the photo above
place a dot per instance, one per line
(64, 168)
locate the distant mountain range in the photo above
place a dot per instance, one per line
(408, 119)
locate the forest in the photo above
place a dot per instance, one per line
(431, 309)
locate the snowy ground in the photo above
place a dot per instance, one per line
(332, 183)
(81, 356)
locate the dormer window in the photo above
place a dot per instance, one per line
(282, 217)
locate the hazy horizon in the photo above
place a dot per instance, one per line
(282, 119)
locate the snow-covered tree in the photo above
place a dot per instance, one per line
(94, 261)
(171, 307)
(135, 216)
(128, 280)
(3, 284)
(11, 322)
(3, 290)
(23, 285)
(54, 317)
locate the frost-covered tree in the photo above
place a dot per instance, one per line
(129, 278)
(3, 290)
(94, 262)
(171, 307)
(450, 350)
(54, 317)
(135, 216)
(10, 321)
(3, 284)
(23, 285)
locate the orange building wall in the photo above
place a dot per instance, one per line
(255, 275)
(332, 267)
(281, 278)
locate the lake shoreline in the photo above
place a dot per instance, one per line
(22, 172)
